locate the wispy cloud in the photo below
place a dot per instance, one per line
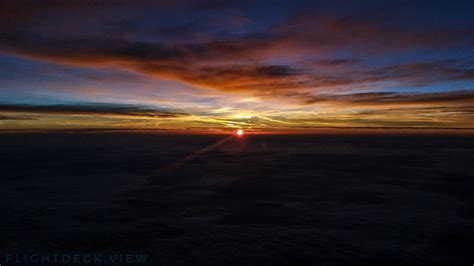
(10, 117)
(102, 109)
(399, 99)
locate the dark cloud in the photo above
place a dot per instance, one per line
(198, 48)
(218, 5)
(232, 77)
(336, 62)
(110, 76)
(367, 32)
(90, 109)
(227, 62)
(216, 63)
(391, 98)
(8, 117)
(424, 73)
(20, 12)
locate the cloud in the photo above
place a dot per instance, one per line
(369, 31)
(335, 62)
(229, 62)
(303, 58)
(391, 98)
(233, 77)
(423, 73)
(7, 117)
(207, 5)
(101, 109)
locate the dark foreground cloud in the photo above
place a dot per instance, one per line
(91, 109)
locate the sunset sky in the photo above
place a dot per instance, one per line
(223, 65)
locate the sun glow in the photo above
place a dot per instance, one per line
(240, 132)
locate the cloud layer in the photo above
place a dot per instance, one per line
(90, 109)
(373, 56)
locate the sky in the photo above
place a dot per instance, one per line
(222, 65)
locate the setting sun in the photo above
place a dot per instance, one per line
(240, 132)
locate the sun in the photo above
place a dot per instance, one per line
(240, 132)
